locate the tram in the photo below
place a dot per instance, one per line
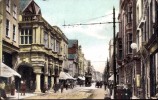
(88, 79)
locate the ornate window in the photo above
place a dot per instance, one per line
(129, 42)
(26, 36)
(129, 15)
(52, 43)
(46, 39)
(57, 46)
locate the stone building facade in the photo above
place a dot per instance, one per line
(9, 12)
(43, 48)
(138, 66)
(73, 57)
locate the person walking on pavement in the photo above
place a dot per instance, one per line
(55, 88)
(23, 87)
(45, 87)
(2, 90)
(31, 86)
(62, 87)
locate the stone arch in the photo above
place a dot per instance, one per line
(27, 73)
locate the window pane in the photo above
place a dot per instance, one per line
(26, 31)
(26, 40)
(22, 40)
(22, 31)
(30, 31)
(30, 39)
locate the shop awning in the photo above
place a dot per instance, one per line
(63, 76)
(81, 78)
(111, 77)
(70, 77)
(6, 71)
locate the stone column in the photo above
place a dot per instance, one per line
(34, 35)
(46, 78)
(37, 71)
(42, 35)
(52, 81)
(38, 83)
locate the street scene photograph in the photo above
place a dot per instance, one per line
(78, 49)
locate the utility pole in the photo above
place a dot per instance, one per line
(1, 35)
(114, 54)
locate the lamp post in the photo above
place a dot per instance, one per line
(114, 54)
(134, 47)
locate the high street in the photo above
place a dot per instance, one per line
(75, 93)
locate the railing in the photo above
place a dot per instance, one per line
(31, 17)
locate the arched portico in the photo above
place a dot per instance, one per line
(27, 74)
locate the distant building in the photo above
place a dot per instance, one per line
(73, 57)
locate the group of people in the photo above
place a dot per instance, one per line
(64, 84)
(122, 92)
(99, 84)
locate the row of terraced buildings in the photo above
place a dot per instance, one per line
(137, 67)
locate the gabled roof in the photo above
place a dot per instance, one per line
(29, 5)
(72, 42)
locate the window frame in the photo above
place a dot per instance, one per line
(8, 3)
(14, 32)
(129, 42)
(15, 11)
(7, 28)
(46, 39)
(26, 36)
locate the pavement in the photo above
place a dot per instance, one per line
(29, 95)
(98, 93)
(19, 96)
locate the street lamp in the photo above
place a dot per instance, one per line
(134, 47)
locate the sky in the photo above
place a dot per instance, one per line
(94, 39)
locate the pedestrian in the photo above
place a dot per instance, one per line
(62, 87)
(127, 92)
(105, 85)
(13, 88)
(2, 89)
(23, 87)
(55, 88)
(45, 87)
(31, 85)
(66, 85)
